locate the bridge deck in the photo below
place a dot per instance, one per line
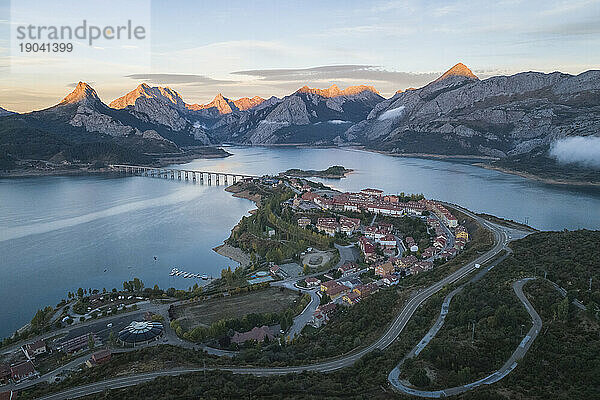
(177, 170)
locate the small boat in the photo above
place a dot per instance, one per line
(204, 277)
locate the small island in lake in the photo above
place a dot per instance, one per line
(333, 172)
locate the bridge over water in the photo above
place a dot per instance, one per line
(193, 175)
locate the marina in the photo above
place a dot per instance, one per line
(189, 275)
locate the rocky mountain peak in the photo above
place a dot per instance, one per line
(163, 94)
(459, 69)
(245, 103)
(334, 90)
(82, 93)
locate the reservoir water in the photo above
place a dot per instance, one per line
(61, 233)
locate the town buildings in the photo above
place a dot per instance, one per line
(35, 349)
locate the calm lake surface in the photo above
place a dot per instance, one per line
(61, 233)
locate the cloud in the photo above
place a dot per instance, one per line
(175, 79)
(586, 27)
(392, 114)
(351, 72)
(582, 150)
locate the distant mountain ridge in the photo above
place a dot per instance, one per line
(497, 117)
(502, 117)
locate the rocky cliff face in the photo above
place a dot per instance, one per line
(459, 114)
(314, 116)
(163, 106)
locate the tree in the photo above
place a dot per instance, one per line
(306, 269)
(80, 292)
(91, 342)
(325, 299)
(562, 309)
(419, 378)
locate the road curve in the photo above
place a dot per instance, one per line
(508, 366)
(502, 236)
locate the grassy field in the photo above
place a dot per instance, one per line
(206, 312)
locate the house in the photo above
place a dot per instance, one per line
(348, 268)
(303, 222)
(388, 242)
(351, 282)
(461, 232)
(309, 196)
(4, 374)
(35, 349)
(429, 252)
(318, 319)
(372, 192)
(255, 334)
(10, 395)
(366, 290)
(325, 286)
(328, 225)
(269, 231)
(409, 241)
(406, 262)
(367, 248)
(327, 309)
(351, 298)
(349, 225)
(23, 370)
(99, 357)
(312, 282)
(391, 199)
(384, 268)
(79, 343)
(390, 279)
(335, 289)
(449, 253)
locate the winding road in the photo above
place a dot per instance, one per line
(509, 365)
(502, 236)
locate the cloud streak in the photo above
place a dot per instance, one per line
(350, 73)
(582, 150)
(175, 79)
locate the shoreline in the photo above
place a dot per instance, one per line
(166, 161)
(472, 158)
(83, 169)
(550, 181)
(233, 253)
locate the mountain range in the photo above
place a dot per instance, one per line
(504, 118)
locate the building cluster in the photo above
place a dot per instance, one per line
(367, 200)
(331, 225)
(346, 292)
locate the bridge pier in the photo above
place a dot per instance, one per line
(186, 175)
(194, 177)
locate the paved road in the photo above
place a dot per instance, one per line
(347, 253)
(508, 366)
(502, 236)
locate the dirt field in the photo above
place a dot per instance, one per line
(206, 312)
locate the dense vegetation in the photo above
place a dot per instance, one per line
(501, 321)
(290, 239)
(336, 171)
